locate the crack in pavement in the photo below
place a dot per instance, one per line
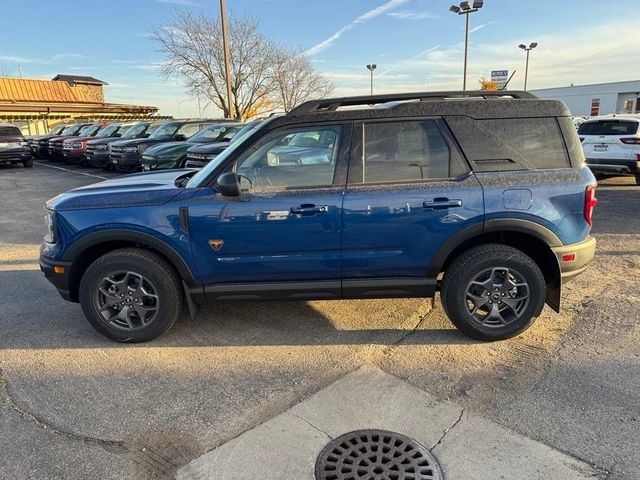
(310, 424)
(447, 430)
(113, 446)
(421, 319)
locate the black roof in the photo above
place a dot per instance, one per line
(71, 79)
(478, 104)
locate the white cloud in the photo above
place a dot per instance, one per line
(41, 61)
(182, 3)
(407, 15)
(365, 17)
(481, 26)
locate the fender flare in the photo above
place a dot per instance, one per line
(104, 236)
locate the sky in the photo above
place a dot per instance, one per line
(416, 44)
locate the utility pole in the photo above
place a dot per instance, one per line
(20, 70)
(227, 55)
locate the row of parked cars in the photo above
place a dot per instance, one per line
(136, 146)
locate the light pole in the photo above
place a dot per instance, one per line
(526, 69)
(371, 68)
(180, 103)
(429, 77)
(466, 8)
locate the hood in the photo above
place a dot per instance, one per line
(77, 139)
(168, 149)
(134, 142)
(102, 140)
(62, 138)
(205, 148)
(141, 189)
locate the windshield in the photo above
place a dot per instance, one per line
(214, 133)
(58, 129)
(165, 131)
(135, 131)
(71, 130)
(609, 127)
(109, 130)
(89, 130)
(238, 139)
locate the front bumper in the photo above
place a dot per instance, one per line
(15, 155)
(59, 280)
(582, 252)
(125, 161)
(97, 158)
(613, 166)
(73, 157)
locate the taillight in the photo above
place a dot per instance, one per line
(630, 141)
(590, 201)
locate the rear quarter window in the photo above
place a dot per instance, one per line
(609, 127)
(511, 144)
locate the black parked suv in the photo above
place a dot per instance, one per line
(98, 149)
(40, 144)
(200, 154)
(14, 148)
(126, 155)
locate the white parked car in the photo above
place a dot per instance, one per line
(611, 145)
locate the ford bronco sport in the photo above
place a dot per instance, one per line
(481, 195)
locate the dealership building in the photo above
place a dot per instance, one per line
(597, 98)
(37, 105)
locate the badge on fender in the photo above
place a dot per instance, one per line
(216, 244)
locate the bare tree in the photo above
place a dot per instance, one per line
(264, 76)
(297, 81)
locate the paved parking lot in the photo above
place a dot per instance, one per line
(75, 405)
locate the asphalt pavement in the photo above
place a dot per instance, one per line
(75, 405)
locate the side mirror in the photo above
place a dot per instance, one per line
(179, 137)
(229, 184)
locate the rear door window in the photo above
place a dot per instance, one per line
(609, 127)
(403, 151)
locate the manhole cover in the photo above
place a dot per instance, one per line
(376, 455)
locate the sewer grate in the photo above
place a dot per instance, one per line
(376, 455)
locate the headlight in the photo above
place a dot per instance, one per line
(24, 143)
(51, 228)
(130, 149)
(76, 145)
(101, 147)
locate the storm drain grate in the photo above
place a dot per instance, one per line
(376, 455)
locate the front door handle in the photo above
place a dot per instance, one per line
(442, 203)
(309, 209)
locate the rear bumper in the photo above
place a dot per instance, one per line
(613, 166)
(583, 251)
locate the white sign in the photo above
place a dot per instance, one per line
(500, 77)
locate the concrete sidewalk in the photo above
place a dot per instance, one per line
(468, 446)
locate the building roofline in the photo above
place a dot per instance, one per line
(585, 85)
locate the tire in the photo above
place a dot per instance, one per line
(489, 265)
(637, 178)
(144, 317)
(28, 163)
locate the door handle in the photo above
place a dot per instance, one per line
(309, 209)
(442, 203)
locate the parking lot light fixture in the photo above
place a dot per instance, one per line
(528, 49)
(466, 8)
(371, 67)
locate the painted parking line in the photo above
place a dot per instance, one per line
(72, 171)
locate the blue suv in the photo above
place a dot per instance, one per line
(483, 196)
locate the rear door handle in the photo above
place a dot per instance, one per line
(309, 209)
(442, 203)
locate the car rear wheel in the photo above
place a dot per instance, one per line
(28, 163)
(131, 295)
(493, 292)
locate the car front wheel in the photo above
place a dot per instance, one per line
(493, 292)
(637, 178)
(131, 295)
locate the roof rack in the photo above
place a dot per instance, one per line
(332, 104)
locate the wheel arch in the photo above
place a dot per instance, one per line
(86, 250)
(531, 238)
